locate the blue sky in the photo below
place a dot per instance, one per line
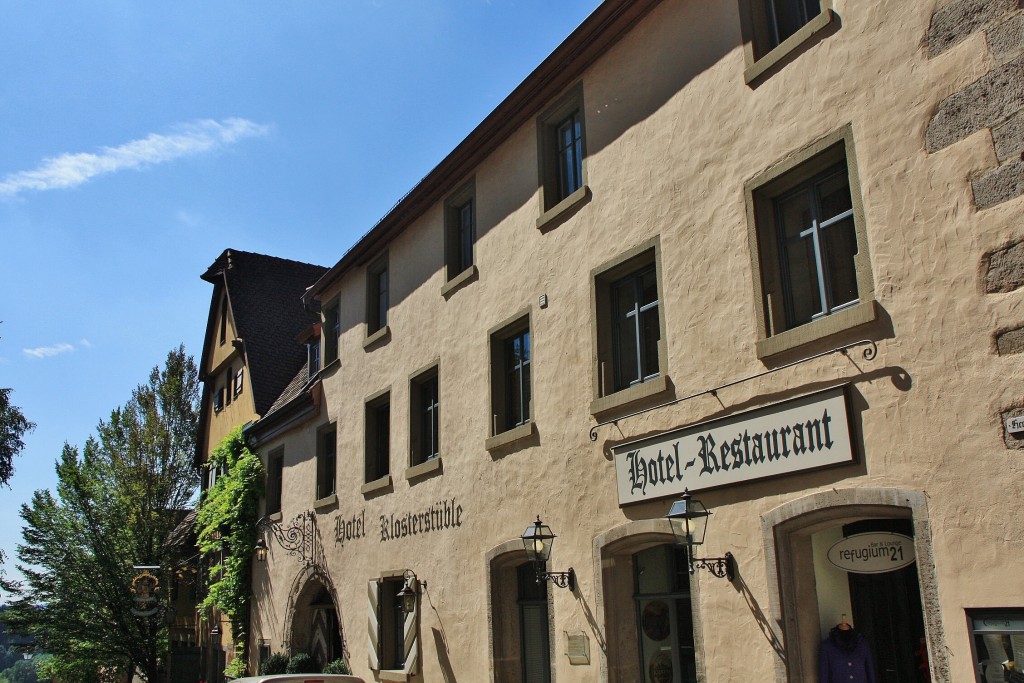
(140, 139)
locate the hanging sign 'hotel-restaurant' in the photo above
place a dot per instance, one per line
(801, 434)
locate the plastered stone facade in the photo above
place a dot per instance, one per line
(994, 101)
(673, 133)
(957, 20)
(1005, 271)
(1010, 341)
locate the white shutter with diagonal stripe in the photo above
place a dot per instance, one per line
(373, 626)
(411, 633)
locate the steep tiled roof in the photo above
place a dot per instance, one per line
(293, 389)
(265, 296)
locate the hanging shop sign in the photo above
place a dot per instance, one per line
(872, 553)
(1015, 425)
(145, 587)
(801, 434)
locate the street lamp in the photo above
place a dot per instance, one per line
(689, 520)
(538, 541)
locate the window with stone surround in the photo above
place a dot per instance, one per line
(378, 437)
(628, 328)
(424, 417)
(809, 246)
(326, 461)
(775, 30)
(561, 151)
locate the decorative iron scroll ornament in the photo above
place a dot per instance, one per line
(301, 537)
(869, 354)
(722, 567)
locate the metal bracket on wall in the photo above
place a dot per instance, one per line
(301, 537)
(869, 354)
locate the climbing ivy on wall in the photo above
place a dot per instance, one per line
(226, 530)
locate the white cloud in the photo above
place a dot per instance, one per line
(71, 170)
(189, 219)
(85, 343)
(48, 351)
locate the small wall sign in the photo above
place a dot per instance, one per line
(577, 648)
(872, 553)
(1015, 425)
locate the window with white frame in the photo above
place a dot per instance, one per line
(424, 417)
(810, 246)
(629, 328)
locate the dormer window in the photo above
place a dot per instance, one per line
(313, 355)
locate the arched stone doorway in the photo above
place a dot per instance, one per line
(315, 621)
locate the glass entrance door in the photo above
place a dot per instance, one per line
(663, 615)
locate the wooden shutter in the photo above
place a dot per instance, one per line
(373, 626)
(411, 633)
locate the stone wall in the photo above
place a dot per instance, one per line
(995, 101)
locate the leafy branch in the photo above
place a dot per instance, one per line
(227, 535)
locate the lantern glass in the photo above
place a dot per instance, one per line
(538, 540)
(261, 551)
(408, 598)
(689, 520)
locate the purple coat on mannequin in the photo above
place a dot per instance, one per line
(845, 658)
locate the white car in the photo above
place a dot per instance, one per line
(300, 678)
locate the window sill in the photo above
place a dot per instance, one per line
(859, 314)
(380, 336)
(423, 468)
(330, 367)
(376, 486)
(786, 48)
(509, 436)
(560, 211)
(468, 275)
(325, 502)
(275, 516)
(624, 397)
(393, 675)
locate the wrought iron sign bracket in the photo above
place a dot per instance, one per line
(560, 579)
(869, 354)
(300, 537)
(721, 567)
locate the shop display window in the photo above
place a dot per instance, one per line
(997, 642)
(664, 616)
(868, 601)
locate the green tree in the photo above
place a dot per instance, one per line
(115, 505)
(23, 671)
(13, 426)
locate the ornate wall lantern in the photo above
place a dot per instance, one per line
(538, 541)
(410, 591)
(689, 520)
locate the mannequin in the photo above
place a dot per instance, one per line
(845, 656)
